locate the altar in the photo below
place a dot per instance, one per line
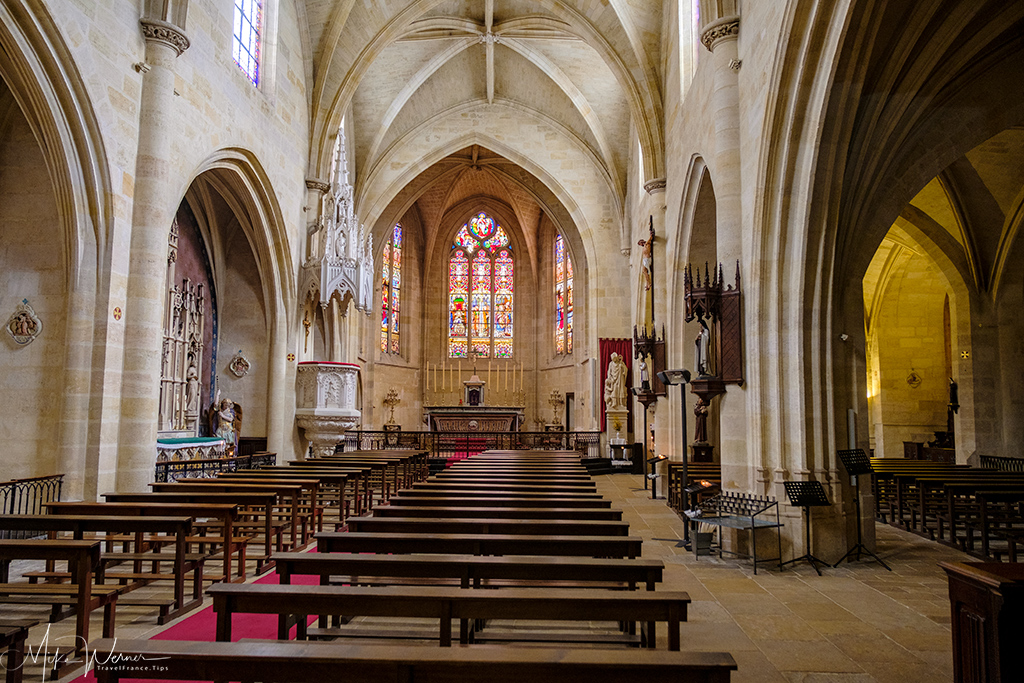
(474, 418)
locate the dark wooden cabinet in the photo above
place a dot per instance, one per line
(987, 603)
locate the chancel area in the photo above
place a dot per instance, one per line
(741, 259)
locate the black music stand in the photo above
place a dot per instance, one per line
(856, 462)
(805, 494)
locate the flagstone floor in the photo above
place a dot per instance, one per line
(855, 624)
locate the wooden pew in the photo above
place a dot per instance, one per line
(226, 513)
(417, 459)
(259, 502)
(316, 662)
(470, 570)
(449, 488)
(83, 557)
(547, 604)
(175, 532)
(12, 642)
(489, 525)
(374, 470)
(493, 512)
(517, 479)
(292, 497)
(474, 492)
(407, 499)
(333, 490)
(479, 544)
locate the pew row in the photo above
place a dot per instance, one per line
(293, 604)
(315, 662)
(470, 570)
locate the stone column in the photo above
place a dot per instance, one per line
(153, 209)
(656, 208)
(279, 407)
(720, 37)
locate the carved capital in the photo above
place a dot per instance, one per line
(726, 28)
(655, 186)
(158, 31)
(315, 184)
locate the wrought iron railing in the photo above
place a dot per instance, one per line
(1002, 463)
(460, 444)
(207, 469)
(27, 496)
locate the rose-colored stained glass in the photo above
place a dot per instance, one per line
(503, 299)
(385, 308)
(390, 293)
(483, 303)
(496, 242)
(482, 226)
(464, 240)
(458, 301)
(481, 286)
(563, 297)
(457, 348)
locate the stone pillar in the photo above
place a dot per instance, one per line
(153, 209)
(279, 411)
(720, 37)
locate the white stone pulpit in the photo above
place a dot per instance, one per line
(326, 403)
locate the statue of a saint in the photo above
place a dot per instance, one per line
(615, 384)
(227, 422)
(192, 388)
(702, 360)
(647, 259)
(700, 423)
(645, 377)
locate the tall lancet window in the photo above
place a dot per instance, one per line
(563, 297)
(390, 293)
(245, 38)
(481, 291)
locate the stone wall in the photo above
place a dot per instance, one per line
(33, 262)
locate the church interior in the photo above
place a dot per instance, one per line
(283, 226)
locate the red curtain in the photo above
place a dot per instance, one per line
(623, 347)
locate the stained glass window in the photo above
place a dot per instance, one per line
(245, 40)
(481, 288)
(563, 297)
(390, 293)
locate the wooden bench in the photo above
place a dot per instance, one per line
(315, 662)
(148, 535)
(485, 525)
(293, 604)
(292, 499)
(227, 514)
(460, 512)
(449, 488)
(333, 490)
(261, 505)
(83, 557)
(479, 544)
(336, 478)
(374, 471)
(498, 492)
(585, 483)
(405, 499)
(470, 570)
(12, 649)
